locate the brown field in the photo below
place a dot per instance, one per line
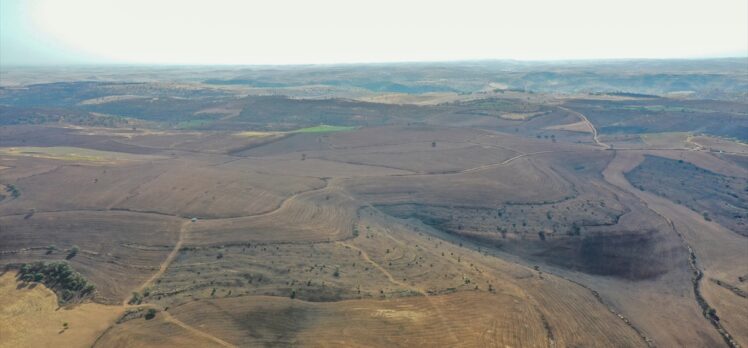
(458, 226)
(119, 250)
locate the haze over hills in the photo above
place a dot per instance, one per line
(481, 203)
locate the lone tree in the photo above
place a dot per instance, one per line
(150, 314)
(136, 298)
(73, 251)
(706, 216)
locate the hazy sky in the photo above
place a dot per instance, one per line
(339, 31)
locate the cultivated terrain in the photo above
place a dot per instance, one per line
(499, 204)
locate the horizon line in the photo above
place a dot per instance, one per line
(453, 61)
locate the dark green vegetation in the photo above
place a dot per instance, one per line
(69, 285)
(717, 197)
(32, 115)
(715, 77)
(11, 191)
(657, 115)
(150, 313)
(281, 113)
(268, 99)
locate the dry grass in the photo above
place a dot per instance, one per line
(670, 140)
(72, 154)
(162, 331)
(30, 317)
(581, 127)
(519, 116)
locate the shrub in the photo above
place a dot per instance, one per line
(150, 314)
(73, 251)
(136, 298)
(706, 216)
(13, 191)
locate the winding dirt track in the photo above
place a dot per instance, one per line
(589, 124)
(162, 268)
(164, 314)
(167, 262)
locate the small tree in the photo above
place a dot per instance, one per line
(712, 313)
(136, 298)
(150, 314)
(706, 217)
(73, 251)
